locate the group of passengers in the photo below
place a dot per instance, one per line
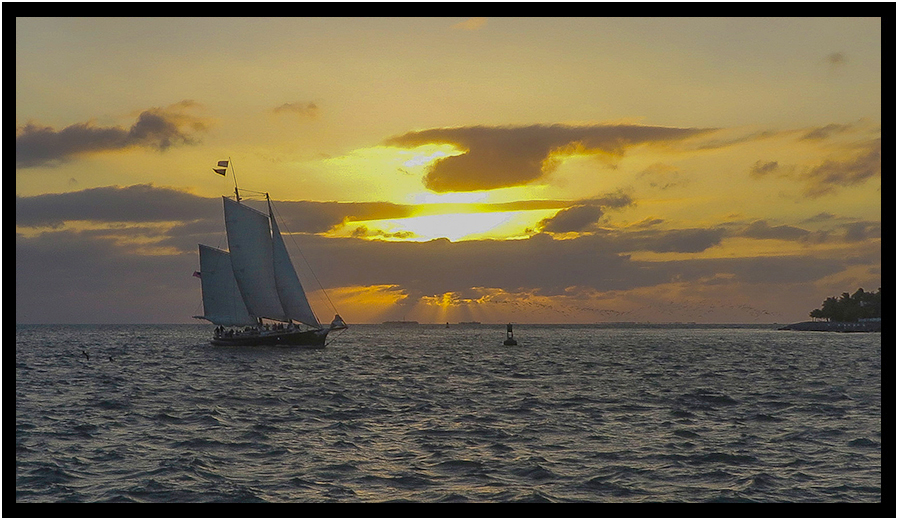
(220, 331)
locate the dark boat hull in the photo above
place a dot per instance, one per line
(313, 338)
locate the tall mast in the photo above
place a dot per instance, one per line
(234, 175)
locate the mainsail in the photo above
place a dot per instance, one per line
(250, 242)
(257, 278)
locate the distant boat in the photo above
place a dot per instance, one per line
(254, 281)
(472, 323)
(402, 322)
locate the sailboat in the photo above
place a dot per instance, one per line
(255, 281)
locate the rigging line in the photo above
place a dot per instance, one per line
(199, 304)
(297, 247)
(253, 191)
(334, 337)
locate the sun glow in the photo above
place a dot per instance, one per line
(424, 154)
(456, 227)
(450, 197)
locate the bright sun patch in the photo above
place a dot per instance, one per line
(452, 226)
(426, 153)
(449, 197)
(455, 226)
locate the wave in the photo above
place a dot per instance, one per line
(615, 415)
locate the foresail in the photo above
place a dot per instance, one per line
(222, 302)
(250, 243)
(290, 290)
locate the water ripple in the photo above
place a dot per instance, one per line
(429, 414)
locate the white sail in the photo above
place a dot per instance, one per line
(290, 290)
(222, 302)
(250, 242)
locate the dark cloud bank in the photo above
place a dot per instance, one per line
(74, 276)
(100, 276)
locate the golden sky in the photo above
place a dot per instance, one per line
(532, 170)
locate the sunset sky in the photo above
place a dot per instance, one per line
(528, 170)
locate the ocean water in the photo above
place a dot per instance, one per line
(434, 414)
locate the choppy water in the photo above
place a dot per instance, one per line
(425, 413)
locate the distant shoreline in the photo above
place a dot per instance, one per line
(836, 327)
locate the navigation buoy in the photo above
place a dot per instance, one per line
(509, 340)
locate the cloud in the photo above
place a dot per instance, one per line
(137, 203)
(544, 265)
(584, 215)
(79, 277)
(825, 177)
(364, 231)
(862, 230)
(762, 230)
(688, 240)
(149, 203)
(155, 128)
(96, 275)
(826, 131)
(613, 200)
(763, 168)
(498, 157)
(156, 204)
(836, 58)
(861, 163)
(471, 24)
(840, 233)
(302, 110)
(648, 222)
(769, 270)
(749, 138)
(821, 217)
(137, 266)
(573, 219)
(662, 176)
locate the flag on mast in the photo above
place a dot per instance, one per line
(223, 163)
(219, 171)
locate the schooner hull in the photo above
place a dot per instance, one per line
(314, 338)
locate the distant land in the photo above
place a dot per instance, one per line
(856, 313)
(862, 326)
